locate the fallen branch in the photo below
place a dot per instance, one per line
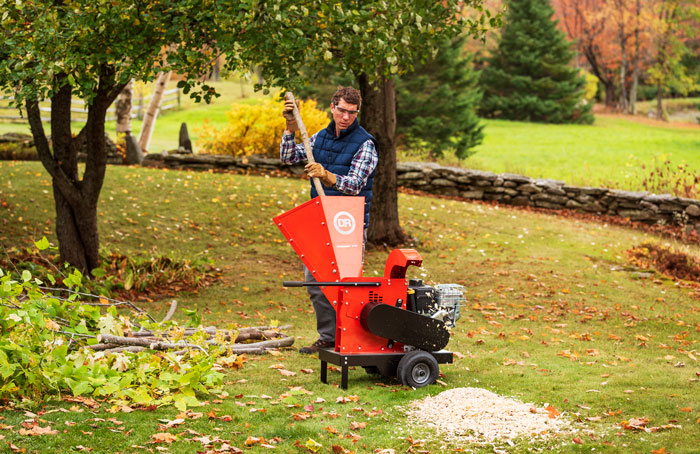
(112, 344)
(241, 335)
(132, 349)
(169, 315)
(147, 343)
(286, 341)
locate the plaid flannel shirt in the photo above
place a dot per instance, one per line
(362, 165)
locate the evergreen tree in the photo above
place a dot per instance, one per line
(529, 77)
(436, 104)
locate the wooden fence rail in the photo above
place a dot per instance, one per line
(171, 100)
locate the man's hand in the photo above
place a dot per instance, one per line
(316, 170)
(288, 114)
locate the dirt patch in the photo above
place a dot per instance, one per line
(475, 415)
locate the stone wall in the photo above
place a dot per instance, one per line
(479, 185)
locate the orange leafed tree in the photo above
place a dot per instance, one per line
(613, 38)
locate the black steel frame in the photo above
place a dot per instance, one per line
(380, 359)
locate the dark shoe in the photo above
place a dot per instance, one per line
(316, 346)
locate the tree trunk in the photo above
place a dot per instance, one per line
(75, 199)
(149, 120)
(123, 110)
(623, 66)
(379, 119)
(609, 92)
(608, 81)
(660, 113)
(635, 69)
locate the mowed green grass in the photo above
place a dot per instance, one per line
(554, 315)
(609, 153)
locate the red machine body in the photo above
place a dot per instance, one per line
(327, 235)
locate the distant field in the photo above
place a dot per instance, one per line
(610, 152)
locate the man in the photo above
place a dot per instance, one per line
(346, 156)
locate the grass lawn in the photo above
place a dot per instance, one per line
(554, 315)
(608, 153)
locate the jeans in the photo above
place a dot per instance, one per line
(325, 312)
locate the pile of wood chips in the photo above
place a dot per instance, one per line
(475, 415)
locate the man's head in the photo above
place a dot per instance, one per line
(345, 105)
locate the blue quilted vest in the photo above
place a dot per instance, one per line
(335, 155)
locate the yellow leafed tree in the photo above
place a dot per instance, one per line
(257, 128)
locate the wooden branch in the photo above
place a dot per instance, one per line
(169, 315)
(41, 143)
(131, 349)
(264, 328)
(147, 343)
(305, 138)
(286, 341)
(243, 333)
(110, 343)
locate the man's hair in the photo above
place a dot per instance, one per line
(349, 94)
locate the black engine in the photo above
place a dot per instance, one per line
(441, 302)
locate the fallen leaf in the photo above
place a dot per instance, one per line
(36, 430)
(635, 423)
(167, 423)
(686, 409)
(577, 441)
(357, 425)
(661, 450)
(163, 437)
(553, 413)
(250, 441)
(312, 445)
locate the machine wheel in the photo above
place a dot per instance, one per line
(418, 369)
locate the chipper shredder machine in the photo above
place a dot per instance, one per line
(384, 324)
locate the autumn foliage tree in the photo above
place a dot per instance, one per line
(612, 36)
(677, 21)
(628, 42)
